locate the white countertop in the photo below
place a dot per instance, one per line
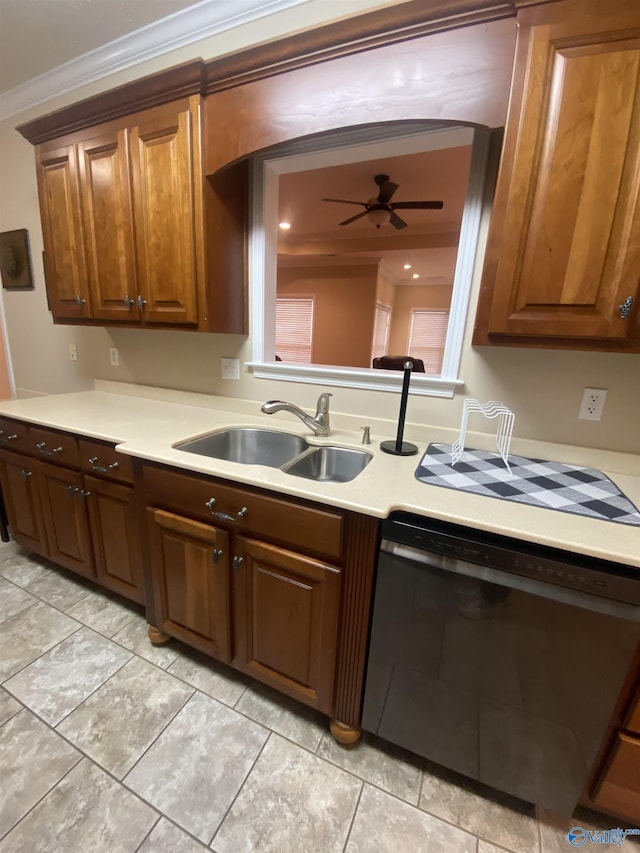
(146, 423)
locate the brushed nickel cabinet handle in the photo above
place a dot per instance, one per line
(224, 516)
(6, 438)
(128, 301)
(93, 461)
(73, 490)
(237, 562)
(84, 494)
(41, 445)
(80, 300)
(141, 302)
(625, 308)
(26, 474)
(216, 556)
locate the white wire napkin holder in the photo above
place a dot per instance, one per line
(492, 409)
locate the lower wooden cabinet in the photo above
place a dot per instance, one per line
(286, 617)
(65, 514)
(190, 576)
(20, 490)
(619, 790)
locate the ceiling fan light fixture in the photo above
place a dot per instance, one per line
(378, 216)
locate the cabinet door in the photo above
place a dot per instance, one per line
(190, 576)
(286, 620)
(619, 789)
(564, 245)
(20, 491)
(106, 208)
(116, 537)
(65, 270)
(65, 515)
(164, 173)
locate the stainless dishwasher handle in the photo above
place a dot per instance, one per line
(224, 516)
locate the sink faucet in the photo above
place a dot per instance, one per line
(319, 424)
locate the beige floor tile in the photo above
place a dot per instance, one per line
(292, 801)
(29, 634)
(13, 599)
(33, 759)
(487, 847)
(383, 765)
(168, 838)
(494, 818)
(58, 681)
(208, 676)
(86, 811)
(8, 706)
(283, 715)
(59, 588)
(104, 614)
(118, 722)
(134, 636)
(22, 569)
(194, 770)
(384, 824)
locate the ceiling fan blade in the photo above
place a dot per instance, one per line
(416, 205)
(395, 220)
(353, 218)
(345, 201)
(386, 191)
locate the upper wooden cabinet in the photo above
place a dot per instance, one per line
(563, 258)
(121, 208)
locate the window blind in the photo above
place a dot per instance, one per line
(294, 329)
(427, 338)
(380, 331)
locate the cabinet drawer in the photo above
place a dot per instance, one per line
(307, 527)
(53, 446)
(619, 790)
(103, 460)
(14, 435)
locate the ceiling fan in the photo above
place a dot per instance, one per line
(380, 209)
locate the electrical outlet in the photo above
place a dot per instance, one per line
(114, 359)
(230, 368)
(592, 404)
(73, 352)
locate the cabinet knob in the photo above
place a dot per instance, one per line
(237, 562)
(225, 516)
(128, 301)
(141, 302)
(216, 556)
(41, 445)
(625, 308)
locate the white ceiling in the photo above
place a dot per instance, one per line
(38, 35)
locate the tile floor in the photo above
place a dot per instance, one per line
(110, 744)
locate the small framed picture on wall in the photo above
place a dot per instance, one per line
(15, 260)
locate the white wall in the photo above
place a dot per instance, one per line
(543, 387)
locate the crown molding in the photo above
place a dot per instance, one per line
(203, 20)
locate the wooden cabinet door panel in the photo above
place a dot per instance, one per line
(162, 158)
(20, 491)
(287, 621)
(116, 537)
(190, 576)
(633, 719)
(619, 790)
(66, 520)
(67, 288)
(564, 243)
(108, 231)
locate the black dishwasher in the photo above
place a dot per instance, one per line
(497, 658)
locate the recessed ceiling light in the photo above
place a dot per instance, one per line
(284, 226)
(415, 275)
(406, 267)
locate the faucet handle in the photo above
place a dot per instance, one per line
(322, 406)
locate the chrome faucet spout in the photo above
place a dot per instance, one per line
(319, 424)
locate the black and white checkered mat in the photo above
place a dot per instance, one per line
(568, 488)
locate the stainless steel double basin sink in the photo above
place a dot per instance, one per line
(283, 450)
